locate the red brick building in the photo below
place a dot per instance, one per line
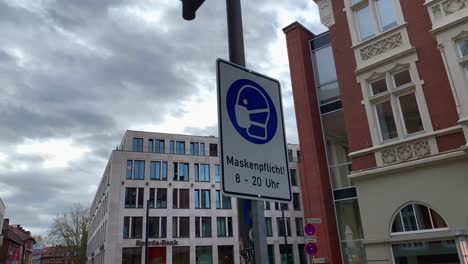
(17, 244)
(57, 255)
(382, 112)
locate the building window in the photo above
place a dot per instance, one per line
(299, 227)
(180, 147)
(135, 169)
(202, 149)
(213, 150)
(298, 155)
(202, 199)
(180, 227)
(417, 217)
(463, 52)
(271, 254)
(172, 146)
(296, 202)
(157, 227)
(217, 173)
(325, 74)
(130, 197)
(180, 255)
(290, 155)
(267, 206)
(365, 12)
(158, 170)
(180, 198)
(150, 145)
(292, 173)
(201, 172)
(280, 224)
(269, 227)
(225, 254)
(137, 144)
(160, 146)
(224, 226)
(302, 255)
(349, 219)
(132, 227)
(131, 255)
(444, 251)
(286, 252)
(203, 226)
(396, 106)
(222, 202)
(126, 227)
(203, 254)
(194, 148)
(161, 197)
(181, 171)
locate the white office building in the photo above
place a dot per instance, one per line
(190, 221)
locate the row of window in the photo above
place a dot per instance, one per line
(204, 254)
(374, 16)
(157, 227)
(134, 198)
(159, 171)
(175, 147)
(135, 170)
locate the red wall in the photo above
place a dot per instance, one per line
(313, 168)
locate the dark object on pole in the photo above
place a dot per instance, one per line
(148, 204)
(285, 234)
(190, 7)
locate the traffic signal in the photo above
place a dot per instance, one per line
(190, 7)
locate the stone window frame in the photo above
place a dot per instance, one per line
(350, 10)
(369, 100)
(462, 60)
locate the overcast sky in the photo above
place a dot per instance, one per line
(75, 74)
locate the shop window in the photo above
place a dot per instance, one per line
(180, 255)
(271, 254)
(203, 254)
(423, 252)
(131, 255)
(417, 217)
(225, 255)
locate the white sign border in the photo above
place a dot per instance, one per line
(220, 131)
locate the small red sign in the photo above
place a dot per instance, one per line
(310, 229)
(311, 249)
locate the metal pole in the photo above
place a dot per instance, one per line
(285, 234)
(147, 231)
(237, 56)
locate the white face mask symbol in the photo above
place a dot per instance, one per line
(252, 112)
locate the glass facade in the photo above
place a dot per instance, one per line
(336, 142)
(203, 255)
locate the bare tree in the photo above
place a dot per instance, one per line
(71, 230)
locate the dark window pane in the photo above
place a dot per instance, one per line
(379, 86)
(131, 255)
(225, 254)
(269, 226)
(130, 197)
(397, 226)
(423, 217)
(184, 228)
(180, 255)
(386, 120)
(151, 198)
(409, 219)
(153, 227)
(271, 254)
(137, 224)
(302, 256)
(184, 199)
(345, 193)
(402, 78)
(293, 177)
(161, 199)
(349, 219)
(296, 202)
(140, 197)
(410, 111)
(287, 255)
(213, 150)
(299, 227)
(163, 227)
(126, 227)
(203, 254)
(175, 198)
(437, 220)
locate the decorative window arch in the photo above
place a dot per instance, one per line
(416, 217)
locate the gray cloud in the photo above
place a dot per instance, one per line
(88, 70)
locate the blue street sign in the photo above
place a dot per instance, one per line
(311, 249)
(310, 229)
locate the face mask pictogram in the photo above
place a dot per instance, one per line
(252, 112)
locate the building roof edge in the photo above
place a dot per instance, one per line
(294, 25)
